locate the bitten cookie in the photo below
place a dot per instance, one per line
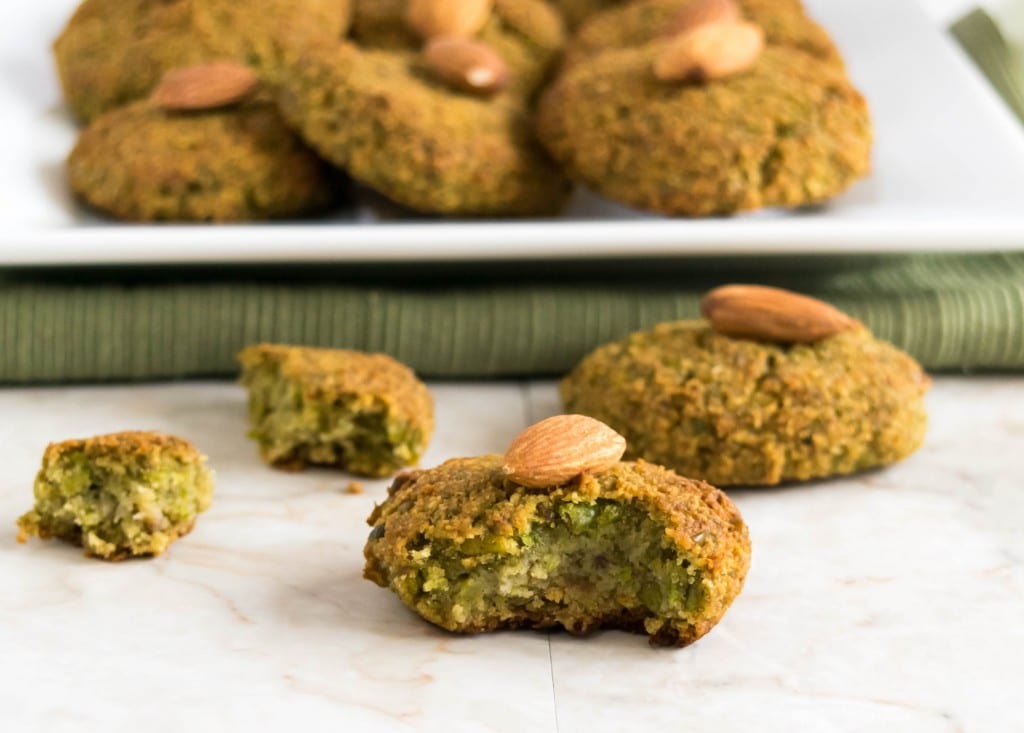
(628, 546)
(119, 496)
(774, 388)
(365, 413)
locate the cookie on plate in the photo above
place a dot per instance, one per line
(785, 23)
(113, 52)
(364, 413)
(235, 162)
(775, 387)
(403, 117)
(786, 131)
(628, 546)
(119, 496)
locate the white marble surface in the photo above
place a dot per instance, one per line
(891, 601)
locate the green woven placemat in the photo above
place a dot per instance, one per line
(951, 312)
(1000, 61)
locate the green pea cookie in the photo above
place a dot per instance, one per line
(113, 52)
(365, 413)
(635, 547)
(576, 12)
(738, 411)
(383, 116)
(143, 163)
(119, 496)
(790, 131)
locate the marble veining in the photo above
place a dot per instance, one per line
(888, 601)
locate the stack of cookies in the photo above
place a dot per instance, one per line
(208, 110)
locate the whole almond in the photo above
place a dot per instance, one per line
(702, 12)
(430, 18)
(710, 51)
(772, 314)
(208, 86)
(561, 448)
(466, 65)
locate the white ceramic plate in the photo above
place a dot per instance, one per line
(948, 175)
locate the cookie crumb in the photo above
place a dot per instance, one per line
(354, 487)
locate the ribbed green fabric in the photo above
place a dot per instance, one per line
(1001, 63)
(951, 312)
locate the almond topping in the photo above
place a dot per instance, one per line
(703, 12)
(557, 450)
(466, 65)
(772, 314)
(709, 52)
(208, 86)
(430, 18)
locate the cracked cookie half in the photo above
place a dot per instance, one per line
(119, 496)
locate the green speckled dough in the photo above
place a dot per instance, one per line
(739, 412)
(141, 163)
(119, 496)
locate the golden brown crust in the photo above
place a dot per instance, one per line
(325, 374)
(130, 444)
(141, 163)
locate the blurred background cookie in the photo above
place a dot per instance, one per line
(113, 52)
(198, 160)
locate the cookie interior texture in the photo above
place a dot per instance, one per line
(636, 548)
(365, 413)
(741, 412)
(119, 496)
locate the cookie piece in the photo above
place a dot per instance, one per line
(141, 163)
(743, 412)
(382, 117)
(365, 413)
(119, 496)
(788, 132)
(113, 52)
(636, 548)
(785, 23)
